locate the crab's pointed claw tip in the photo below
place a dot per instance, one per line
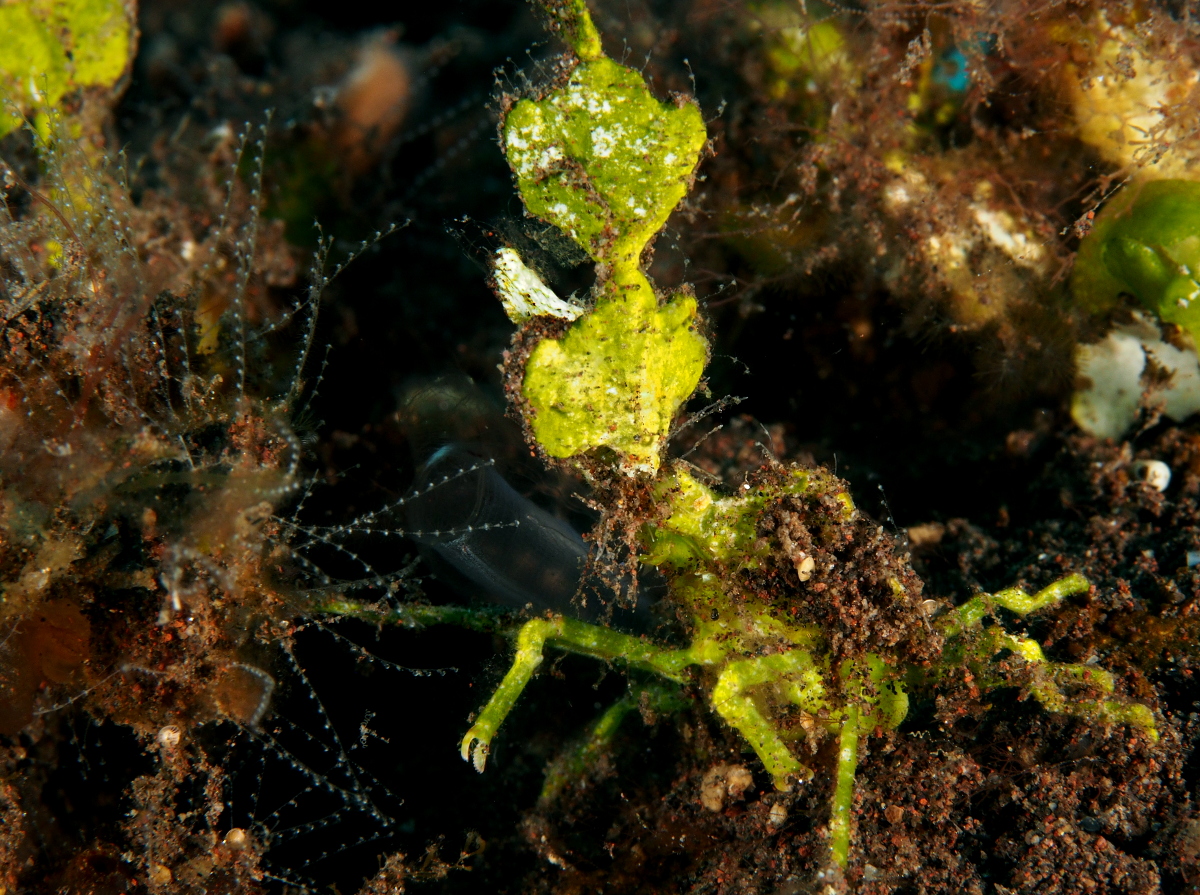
(474, 750)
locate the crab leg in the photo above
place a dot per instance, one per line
(571, 767)
(843, 791)
(573, 636)
(731, 701)
(1044, 687)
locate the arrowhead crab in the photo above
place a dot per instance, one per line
(802, 616)
(804, 622)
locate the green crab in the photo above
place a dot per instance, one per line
(804, 623)
(769, 673)
(803, 617)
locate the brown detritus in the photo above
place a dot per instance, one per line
(396, 870)
(145, 453)
(731, 451)
(722, 783)
(1132, 541)
(12, 837)
(1018, 800)
(98, 869)
(972, 809)
(243, 31)
(1186, 847)
(242, 693)
(850, 590)
(373, 102)
(390, 879)
(50, 646)
(178, 852)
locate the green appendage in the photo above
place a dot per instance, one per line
(572, 767)
(732, 701)
(851, 701)
(576, 637)
(843, 789)
(1048, 676)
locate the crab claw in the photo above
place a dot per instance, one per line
(475, 749)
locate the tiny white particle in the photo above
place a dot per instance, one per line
(1154, 473)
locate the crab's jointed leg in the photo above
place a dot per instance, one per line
(1047, 674)
(732, 702)
(654, 698)
(573, 636)
(970, 614)
(1045, 687)
(843, 791)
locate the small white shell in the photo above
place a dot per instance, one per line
(1154, 473)
(237, 838)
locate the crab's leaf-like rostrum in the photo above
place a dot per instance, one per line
(617, 377)
(602, 159)
(101, 38)
(32, 64)
(606, 162)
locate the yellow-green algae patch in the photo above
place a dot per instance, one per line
(52, 47)
(1146, 243)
